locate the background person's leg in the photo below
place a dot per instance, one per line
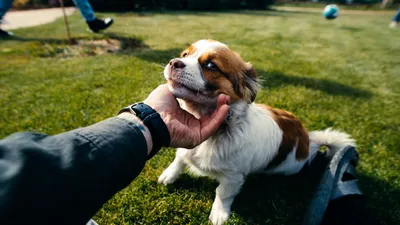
(396, 17)
(86, 9)
(396, 20)
(87, 12)
(5, 5)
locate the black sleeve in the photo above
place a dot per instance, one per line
(66, 178)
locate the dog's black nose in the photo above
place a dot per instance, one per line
(177, 64)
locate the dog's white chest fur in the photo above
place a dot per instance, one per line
(245, 145)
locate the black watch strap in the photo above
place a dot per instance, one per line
(152, 119)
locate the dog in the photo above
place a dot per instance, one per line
(254, 138)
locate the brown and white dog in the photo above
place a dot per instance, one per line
(253, 139)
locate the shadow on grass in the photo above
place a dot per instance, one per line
(279, 199)
(213, 13)
(276, 79)
(40, 40)
(160, 57)
(285, 199)
(352, 29)
(293, 12)
(82, 46)
(128, 42)
(381, 194)
(273, 79)
(195, 184)
(130, 45)
(149, 13)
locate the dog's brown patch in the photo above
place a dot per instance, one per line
(294, 134)
(217, 79)
(188, 51)
(233, 76)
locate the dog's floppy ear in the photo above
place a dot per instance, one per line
(250, 84)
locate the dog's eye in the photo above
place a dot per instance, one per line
(184, 55)
(211, 65)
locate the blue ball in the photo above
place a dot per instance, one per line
(331, 12)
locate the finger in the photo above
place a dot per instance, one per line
(213, 123)
(222, 100)
(162, 86)
(160, 89)
(167, 92)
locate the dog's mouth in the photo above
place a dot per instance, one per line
(177, 85)
(186, 91)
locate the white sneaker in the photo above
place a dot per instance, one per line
(394, 24)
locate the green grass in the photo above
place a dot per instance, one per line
(342, 74)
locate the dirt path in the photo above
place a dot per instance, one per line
(30, 18)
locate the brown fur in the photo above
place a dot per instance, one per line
(294, 134)
(233, 76)
(188, 51)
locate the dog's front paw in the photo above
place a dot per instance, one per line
(169, 176)
(218, 216)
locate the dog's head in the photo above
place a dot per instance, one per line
(208, 68)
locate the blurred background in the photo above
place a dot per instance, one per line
(342, 73)
(127, 5)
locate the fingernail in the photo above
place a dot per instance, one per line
(227, 100)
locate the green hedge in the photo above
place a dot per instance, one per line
(129, 5)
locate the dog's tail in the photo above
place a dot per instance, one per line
(334, 140)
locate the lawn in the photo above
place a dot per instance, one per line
(343, 74)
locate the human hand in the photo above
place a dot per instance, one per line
(186, 131)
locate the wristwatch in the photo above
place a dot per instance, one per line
(159, 131)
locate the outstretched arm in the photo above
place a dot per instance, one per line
(66, 178)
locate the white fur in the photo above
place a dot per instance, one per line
(191, 76)
(246, 143)
(333, 139)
